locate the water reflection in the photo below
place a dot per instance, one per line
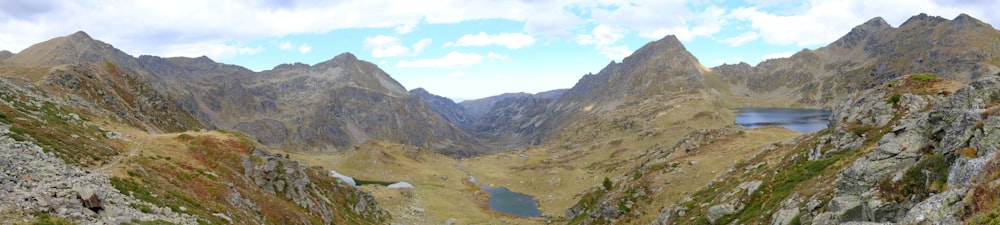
(802, 120)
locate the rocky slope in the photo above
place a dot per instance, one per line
(926, 157)
(324, 107)
(962, 49)
(448, 110)
(81, 143)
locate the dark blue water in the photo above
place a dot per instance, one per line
(513, 203)
(802, 120)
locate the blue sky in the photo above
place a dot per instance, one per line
(462, 49)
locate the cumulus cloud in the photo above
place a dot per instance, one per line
(657, 18)
(305, 48)
(604, 39)
(388, 46)
(285, 45)
(497, 56)
(741, 39)
(451, 60)
(421, 45)
(508, 40)
(171, 25)
(821, 22)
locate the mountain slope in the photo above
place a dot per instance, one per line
(870, 54)
(448, 110)
(333, 104)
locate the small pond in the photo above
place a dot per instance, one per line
(505, 201)
(801, 120)
(513, 203)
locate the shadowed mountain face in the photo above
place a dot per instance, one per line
(324, 107)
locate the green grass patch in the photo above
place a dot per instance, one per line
(923, 76)
(47, 219)
(928, 175)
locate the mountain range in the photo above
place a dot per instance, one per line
(658, 94)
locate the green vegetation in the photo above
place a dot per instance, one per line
(142, 208)
(858, 129)
(154, 222)
(928, 175)
(46, 219)
(586, 203)
(607, 183)
(895, 98)
(923, 76)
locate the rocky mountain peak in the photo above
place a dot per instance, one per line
(965, 21)
(667, 48)
(923, 20)
(80, 35)
(420, 91)
(78, 47)
(868, 32)
(876, 22)
(345, 57)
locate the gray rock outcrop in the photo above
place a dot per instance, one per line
(34, 181)
(285, 177)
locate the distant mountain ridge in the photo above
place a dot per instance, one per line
(346, 101)
(872, 53)
(333, 104)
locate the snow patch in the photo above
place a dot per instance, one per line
(401, 184)
(343, 178)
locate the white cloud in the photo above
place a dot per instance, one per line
(199, 27)
(161, 27)
(387, 46)
(508, 40)
(285, 45)
(497, 56)
(740, 39)
(821, 22)
(305, 48)
(602, 35)
(777, 55)
(604, 39)
(421, 45)
(657, 18)
(406, 28)
(457, 74)
(452, 60)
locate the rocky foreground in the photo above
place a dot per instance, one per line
(34, 181)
